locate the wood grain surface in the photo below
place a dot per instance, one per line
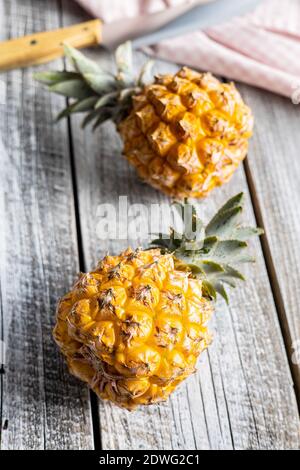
(242, 396)
(41, 405)
(55, 180)
(274, 175)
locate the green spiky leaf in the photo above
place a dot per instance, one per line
(79, 107)
(221, 291)
(231, 275)
(209, 244)
(90, 81)
(109, 98)
(209, 289)
(244, 233)
(160, 243)
(222, 225)
(123, 57)
(82, 64)
(228, 250)
(210, 252)
(226, 217)
(105, 115)
(86, 104)
(146, 76)
(74, 88)
(235, 201)
(52, 77)
(101, 82)
(127, 93)
(212, 268)
(89, 118)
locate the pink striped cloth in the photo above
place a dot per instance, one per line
(261, 49)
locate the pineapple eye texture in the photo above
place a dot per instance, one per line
(135, 326)
(165, 125)
(137, 330)
(187, 134)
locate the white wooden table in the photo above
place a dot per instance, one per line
(52, 178)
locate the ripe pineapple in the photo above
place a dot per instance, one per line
(134, 327)
(185, 133)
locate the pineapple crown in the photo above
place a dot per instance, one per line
(209, 252)
(101, 94)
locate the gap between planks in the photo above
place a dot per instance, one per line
(273, 279)
(94, 402)
(274, 283)
(2, 367)
(44, 407)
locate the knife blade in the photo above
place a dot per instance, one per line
(134, 28)
(199, 17)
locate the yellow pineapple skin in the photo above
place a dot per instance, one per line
(187, 133)
(134, 327)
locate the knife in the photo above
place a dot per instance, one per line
(45, 46)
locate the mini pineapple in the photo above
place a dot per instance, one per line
(134, 327)
(185, 133)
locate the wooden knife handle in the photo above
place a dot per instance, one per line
(43, 47)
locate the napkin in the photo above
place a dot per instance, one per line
(261, 48)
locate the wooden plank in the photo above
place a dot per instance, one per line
(274, 172)
(42, 406)
(242, 396)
